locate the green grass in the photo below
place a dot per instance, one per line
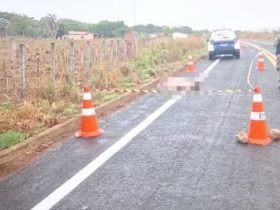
(70, 110)
(109, 97)
(126, 83)
(38, 129)
(10, 138)
(6, 105)
(104, 97)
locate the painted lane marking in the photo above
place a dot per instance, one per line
(206, 71)
(68, 186)
(268, 54)
(250, 70)
(229, 91)
(83, 174)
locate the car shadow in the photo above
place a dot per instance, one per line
(225, 58)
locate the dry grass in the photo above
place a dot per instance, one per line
(191, 43)
(257, 36)
(25, 117)
(106, 77)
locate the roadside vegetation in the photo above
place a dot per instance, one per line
(265, 36)
(49, 103)
(49, 26)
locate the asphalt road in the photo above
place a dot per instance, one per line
(187, 158)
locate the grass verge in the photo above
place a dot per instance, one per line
(50, 103)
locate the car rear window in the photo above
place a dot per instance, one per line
(223, 35)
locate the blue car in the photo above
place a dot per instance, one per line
(223, 42)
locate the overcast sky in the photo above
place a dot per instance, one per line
(198, 14)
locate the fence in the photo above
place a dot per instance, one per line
(25, 60)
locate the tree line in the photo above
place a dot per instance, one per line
(12, 24)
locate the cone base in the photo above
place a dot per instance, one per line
(90, 134)
(259, 141)
(190, 70)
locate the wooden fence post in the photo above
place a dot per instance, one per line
(22, 70)
(5, 77)
(72, 62)
(103, 50)
(14, 55)
(53, 72)
(88, 61)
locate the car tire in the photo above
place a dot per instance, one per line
(237, 55)
(211, 57)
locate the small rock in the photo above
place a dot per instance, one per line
(274, 134)
(242, 137)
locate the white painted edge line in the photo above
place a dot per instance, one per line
(206, 71)
(84, 173)
(249, 73)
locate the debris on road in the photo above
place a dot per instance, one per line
(275, 134)
(242, 136)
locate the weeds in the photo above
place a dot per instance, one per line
(257, 35)
(127, 83)
(71, 110)
(109, 97)
(10, 138)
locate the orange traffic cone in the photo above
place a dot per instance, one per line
(89, 125)
(190, 65)
(260, 64)
(258, 132)
(242, 45)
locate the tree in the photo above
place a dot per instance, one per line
(148, 29)
(4, 23)
(66, 25)
(50, 25)
(111, 29)
(183, 29)
(21, 25)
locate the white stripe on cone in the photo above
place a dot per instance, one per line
(87, 96)
(258, 116)
(257, 98)
(88, 112)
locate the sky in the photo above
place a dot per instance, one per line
(198, 14)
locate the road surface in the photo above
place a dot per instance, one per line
(184, 156)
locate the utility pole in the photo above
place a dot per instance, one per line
(134, 11)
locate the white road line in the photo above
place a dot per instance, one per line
(68, 186)
(78, 178)
(249, 73)
(206, 72)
